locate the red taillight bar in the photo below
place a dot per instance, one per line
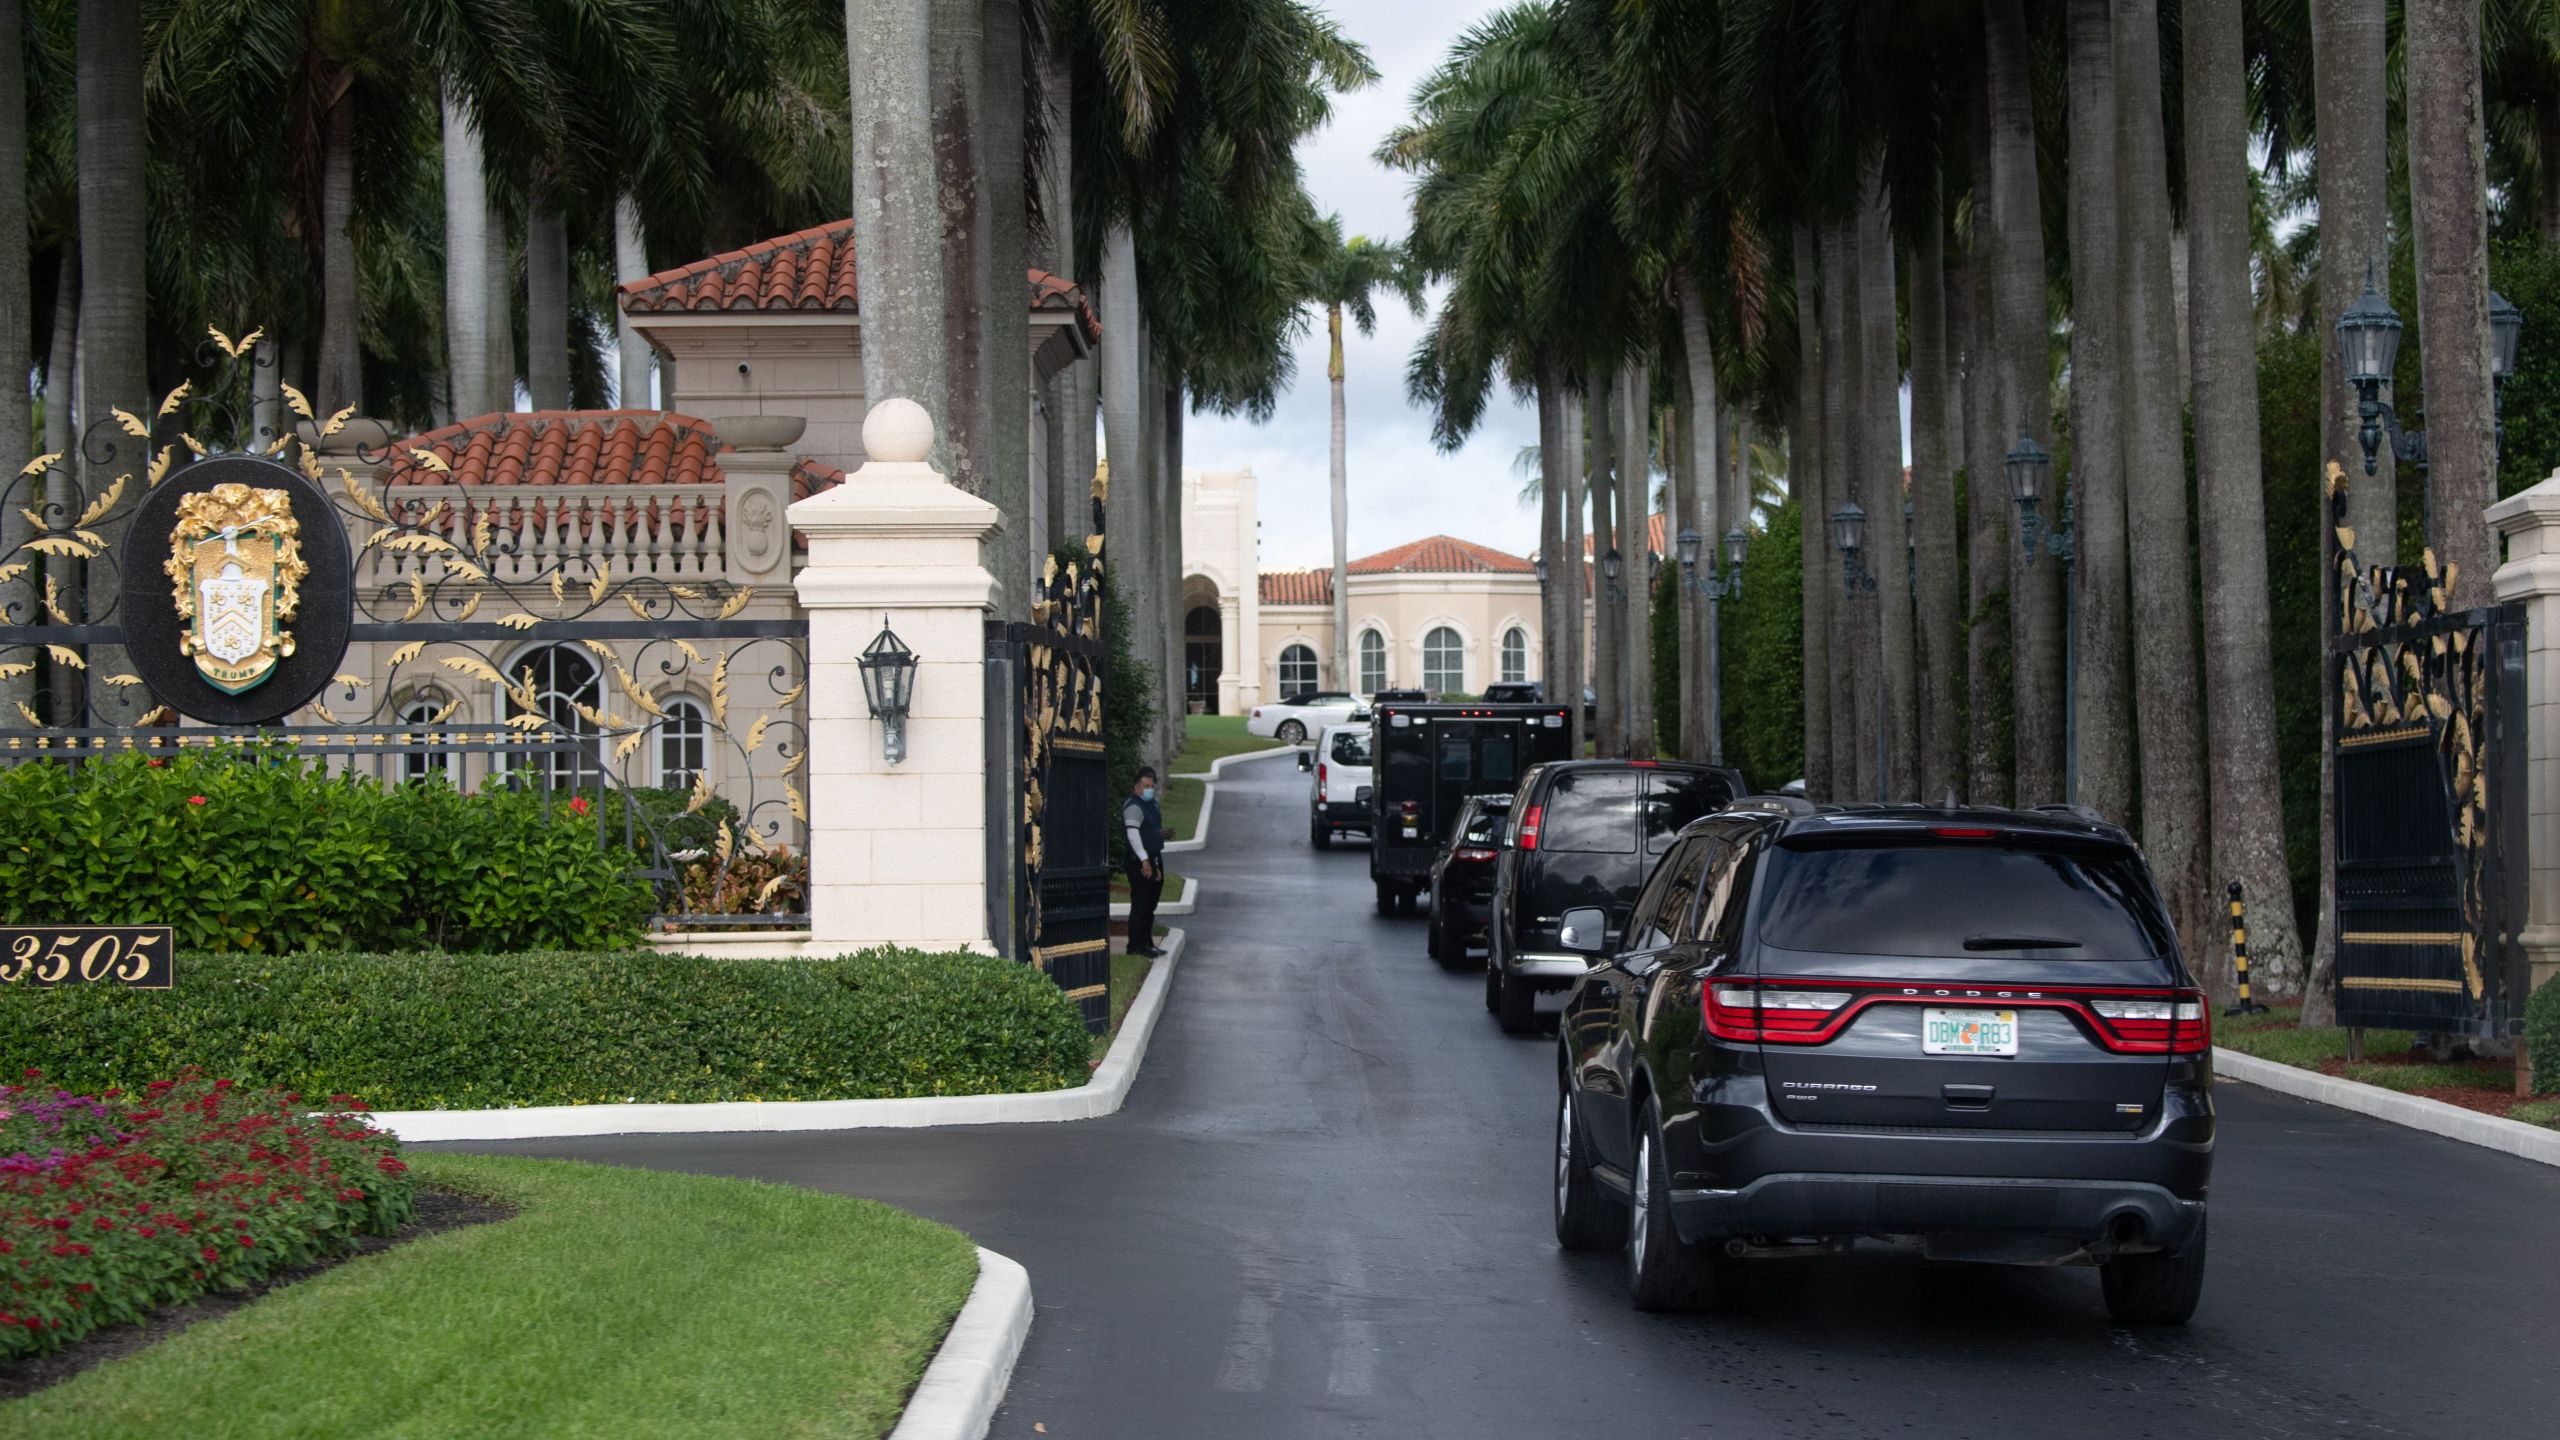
(1528, 827)
(2186, 1030)
(1473, 852)
(1320, 780)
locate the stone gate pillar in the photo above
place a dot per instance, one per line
(2530, 521)
(897, 853)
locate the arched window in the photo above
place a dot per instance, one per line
(1515, 654)
(423, 760)
(1444, 662)
(684, 743)
(1297, 671)
(562, 679)
(1373, 662)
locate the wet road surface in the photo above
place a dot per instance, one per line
(1324, 1212)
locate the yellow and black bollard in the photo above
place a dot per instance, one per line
(2240, 956)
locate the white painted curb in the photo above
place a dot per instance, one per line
(958, 1396)
(1178, 906)
(1101, 1095)
(1209, 797)
(2514, 1137)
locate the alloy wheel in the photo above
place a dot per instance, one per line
(1564, 1147)
(1640, 1221)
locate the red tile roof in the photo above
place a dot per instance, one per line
(1657, 535)
(1442, 555)
(810, 269)
(1296, 587)
(564, 447)
(808, 477)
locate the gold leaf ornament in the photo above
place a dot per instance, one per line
(170, 402)
(475, 667)
(105, 504)
(407, 653)
(755, 733)
(295, 399)
(132, 423)
(738, 601)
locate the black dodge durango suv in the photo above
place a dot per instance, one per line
(1965, 1030)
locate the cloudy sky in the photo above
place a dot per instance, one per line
(1401, 487)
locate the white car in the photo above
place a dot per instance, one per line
(1292, 720)
(1340, 799)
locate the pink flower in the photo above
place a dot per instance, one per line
(195, 799)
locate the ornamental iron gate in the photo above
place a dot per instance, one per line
(2427, 711)
(485, 648)
(1060, 915)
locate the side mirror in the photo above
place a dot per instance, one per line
(1306, 761)
(1584, 931)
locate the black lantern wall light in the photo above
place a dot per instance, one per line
(889, 684)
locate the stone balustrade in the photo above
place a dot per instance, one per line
(669, 532)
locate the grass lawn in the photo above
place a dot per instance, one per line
(619, 1302)
(2483, 1085)
(1214, 737)
(1128, 972)
(1182, 800)
(1173, 883)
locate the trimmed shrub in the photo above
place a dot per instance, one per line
(2542, 1035)
(115, 1204)
(427, 1031)
(265, 851)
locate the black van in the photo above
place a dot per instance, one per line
(1425, 761)
(1584, 833)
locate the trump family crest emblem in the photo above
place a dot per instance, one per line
(235, 570)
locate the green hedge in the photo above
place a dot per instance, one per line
(432, 1031)
(267, 852)
(2542, 1035)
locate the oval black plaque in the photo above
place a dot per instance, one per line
(320, 624)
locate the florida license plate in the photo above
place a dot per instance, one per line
(1968, 1032)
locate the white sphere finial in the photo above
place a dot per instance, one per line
(897, 431)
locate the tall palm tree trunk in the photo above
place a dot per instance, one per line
(1635, 528)
(1343, 678)
(1008, 347)
(2098, 457)
(630, 262)
(62, 482)
(1124, 506)
(1578, 575)
(466, 265)
(1701, 707)
(1555, 644)
(501, 290)
(958, 77)
(1938, 647)
(2166, 713)
(1608, 666)
(341, 311)
(1852, 746)
(17, 362)
(1880, 411)
(2447, 184)
(2024, 330)
(1071, 409)
(1988, 775)
(897, 228)
(1169, 564)
(1805, 461)
(546, 304)
(2248, 807)
(114, 199)
(2349, 48)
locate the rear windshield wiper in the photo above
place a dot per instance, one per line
(2019, 942)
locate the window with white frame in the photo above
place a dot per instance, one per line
(1444, 661)
(421, 760)
(1373, 662)
(562, 679)
(684, 744)
(1515, 654)
(1297, 671)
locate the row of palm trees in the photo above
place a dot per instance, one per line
(2053, 223)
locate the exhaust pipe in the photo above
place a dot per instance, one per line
(2127, 1229)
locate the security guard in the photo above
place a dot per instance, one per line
(1143, 820)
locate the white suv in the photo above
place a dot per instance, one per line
(1292, 720)
(1340, 799)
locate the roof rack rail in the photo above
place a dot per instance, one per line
(1773, 805)
(2077, 812)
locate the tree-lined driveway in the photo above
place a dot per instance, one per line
(1324, 1212)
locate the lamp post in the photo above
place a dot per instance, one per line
(1610, 567)
(2030, 469)
(889, 684)
(2369, 344)
(1849, 537)
(1713, 589)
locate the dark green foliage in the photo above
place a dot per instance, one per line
(651, 809)
(2289, 448)
(268, 852)
(1128, 690)
(2542, 1036)
(425, 1030)
(1762, 640)
(2528, 274)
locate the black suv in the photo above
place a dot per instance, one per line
(1969, 1030)
(1462, 878)
(1583, 832)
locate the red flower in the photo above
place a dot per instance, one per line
(195, 799)
(212, 1254)
(578, 805)
(159, 764)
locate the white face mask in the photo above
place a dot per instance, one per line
(1146, 792)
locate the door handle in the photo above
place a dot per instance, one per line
(1966, 1097)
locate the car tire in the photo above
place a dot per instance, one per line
(1291, 732)
(1587, 1218)
(1492, 985)
(1432, 945)
(1320, 835)
(2157, 1288)
(1517, 1007)
(1404, 902)
(1386, 898)
(1664, 1272)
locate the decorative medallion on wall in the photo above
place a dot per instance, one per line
(235, 569)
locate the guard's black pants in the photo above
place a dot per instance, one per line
(1143, 895)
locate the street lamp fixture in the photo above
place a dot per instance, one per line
(1610, 566)
(1703, 581)
(2369, 343)
(889, 684)
(1849, 537)
(2030, 469)
(1910, 550)
(1541, 566)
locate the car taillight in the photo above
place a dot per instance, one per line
(1257, 712)
(1963, 832)
(1472, 852)
(1412, 810)
(1786, 1017)
(2178, 1024)
(1528, 828)
(1320, 778)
